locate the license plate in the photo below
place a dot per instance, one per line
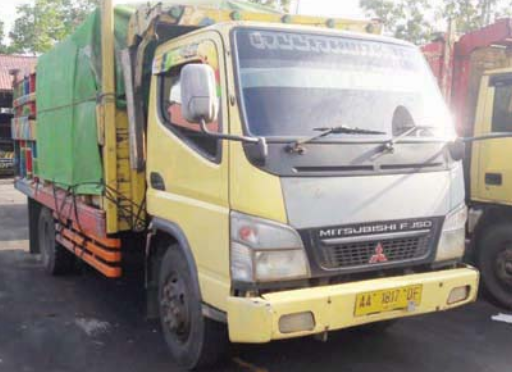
(388, 300)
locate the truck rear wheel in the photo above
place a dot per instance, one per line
(194, 341)
(56, 259)
(494, 259)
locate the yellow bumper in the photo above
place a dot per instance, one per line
(256, 320)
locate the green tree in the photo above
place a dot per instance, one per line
(471, 15)
(283, 5)
(464, 12)
(3, 47)
(405, 19)
(412, 20)
(40, 25)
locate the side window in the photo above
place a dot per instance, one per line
(502, 108)
(170, 96)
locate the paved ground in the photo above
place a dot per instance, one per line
(87, 323)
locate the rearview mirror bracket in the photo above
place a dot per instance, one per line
(257, 146)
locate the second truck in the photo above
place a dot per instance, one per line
(475, 73)
(280, 176)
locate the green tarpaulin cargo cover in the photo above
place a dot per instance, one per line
(67, 92)
(68, 87)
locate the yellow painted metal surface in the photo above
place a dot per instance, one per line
(246, 181)
(108, 113)
(256, 320)
(125, 187)
(142, 21)
(196, 189)
(490, 156)
(131, 185)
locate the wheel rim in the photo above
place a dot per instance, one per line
(46, 242)
(175, 307)
(504, 266)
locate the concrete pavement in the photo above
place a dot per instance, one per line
(85, 322)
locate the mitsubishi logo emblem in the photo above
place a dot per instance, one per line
(379, 255)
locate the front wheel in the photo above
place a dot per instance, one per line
(494, 257)
(194, 341)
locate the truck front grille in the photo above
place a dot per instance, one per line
(354, 254)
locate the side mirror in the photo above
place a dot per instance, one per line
(457, 149)
(199, 104)
(198, 93)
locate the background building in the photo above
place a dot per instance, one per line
(9, 63)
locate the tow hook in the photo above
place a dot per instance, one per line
(322, 337)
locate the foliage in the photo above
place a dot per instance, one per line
(405, 19)
(283, 5)
(471, 14)
(413, 20)
(3, 47)
(41, 24)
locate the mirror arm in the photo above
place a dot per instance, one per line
(486, 137)
(457, 148)
(258, 149)
(254, 140)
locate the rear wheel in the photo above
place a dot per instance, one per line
(55, 258)
(495, 263)
(194, 341)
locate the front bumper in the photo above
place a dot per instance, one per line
(256, 320)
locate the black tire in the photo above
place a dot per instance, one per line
(194, 340)
(494, 259)
(55, 258)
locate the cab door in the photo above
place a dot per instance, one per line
(492, 159)
(188, 170)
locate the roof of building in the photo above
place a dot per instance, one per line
(9, 62)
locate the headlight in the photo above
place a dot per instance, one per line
(453, 237)
(263, 251)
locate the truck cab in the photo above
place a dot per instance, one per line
(351, 212)
(474, 72)
(490, 223)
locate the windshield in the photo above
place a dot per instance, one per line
(293, 83)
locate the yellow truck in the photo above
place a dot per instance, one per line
(475, 72)
(490, 225)
(279, 176)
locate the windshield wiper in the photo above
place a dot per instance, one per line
(389, 146)
(297, 147)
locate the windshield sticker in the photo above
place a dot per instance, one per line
(292, 46)
(323, 44)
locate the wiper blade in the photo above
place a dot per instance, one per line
(344, 129)
(297, 146)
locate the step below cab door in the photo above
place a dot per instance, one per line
(187, 171)
(491, 163)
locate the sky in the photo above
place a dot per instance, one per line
(337, 8)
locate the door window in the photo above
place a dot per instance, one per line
(171, 107)
(502, 109)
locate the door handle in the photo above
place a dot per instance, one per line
(156, 181)
(494, 179)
